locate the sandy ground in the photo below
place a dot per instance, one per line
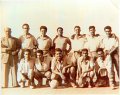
(59, 91)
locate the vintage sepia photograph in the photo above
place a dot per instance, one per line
(59, 47)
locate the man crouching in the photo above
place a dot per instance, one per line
(85, 70)
(62, 70)
(42, 68)
(25, 70)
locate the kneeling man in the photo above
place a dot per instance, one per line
(42, 68)
(104, 65)
(85, 67)
(26, 70)
(63, 71)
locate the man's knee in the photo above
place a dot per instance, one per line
(54, 76)
(48, 74)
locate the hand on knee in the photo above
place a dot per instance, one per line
(72, 70)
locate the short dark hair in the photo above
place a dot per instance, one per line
(43, 27)
(58, 49)
(99, 49)
(91, 27)
(25, 24)
(27, 50)
(60, 28)
(107, 27)
(40, 51)
(77, 27)
(85, 49)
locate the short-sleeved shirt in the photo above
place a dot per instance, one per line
(43, 66)
(78, 43)
(58, 66)
(61, 42)
(24, 66)
(104, 63)
(28, 42)
(44, 43)
(108, 43)
(92, 42)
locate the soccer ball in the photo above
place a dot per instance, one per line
(54, 84)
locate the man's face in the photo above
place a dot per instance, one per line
(100, 53)
(39, 56)
(58, 55)
(60, 32)
(108, 32)
(43, 32)
(77, 30)
(92, 31)
(26, 55)
(25, 29)
(7, 32)
(84, 54)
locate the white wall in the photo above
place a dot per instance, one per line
(55, 13)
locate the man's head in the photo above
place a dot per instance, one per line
(25, 28)
(100, 52)
(92, 30)
(85, 53)
(43, 30)
(40, 54)
(108, 30)
(60, 31)
(7, 31)
(77, 29)
(27, 54)
(58, 54)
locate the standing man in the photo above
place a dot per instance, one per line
(27, 40)
(61, 42)
(26, 70)
(110, 44)
(63, 71)
(9, 48)
(104, 65)
(78, 41)
(42, 68)
(44, 41)
(93, 41)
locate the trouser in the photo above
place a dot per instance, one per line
(44, 74)
(115, 60)
(93, 55)
(75, 56)
(26, 76)
(9, 73)
(86, 79)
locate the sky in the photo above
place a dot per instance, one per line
(59, 13)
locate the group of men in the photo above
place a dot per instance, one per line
(81, 61)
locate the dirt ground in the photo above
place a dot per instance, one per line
(59, 91)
